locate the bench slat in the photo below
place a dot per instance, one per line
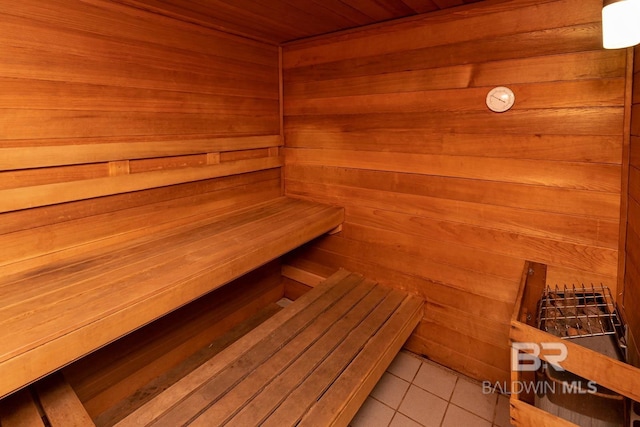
(61, 404)
(319, 366)
(323, 353)
(257, 357)
(306, 344)
(341, 402)
(173, 395)
(88, 301)
(130, 263)
(20, 410)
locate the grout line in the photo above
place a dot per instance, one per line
(458, 377)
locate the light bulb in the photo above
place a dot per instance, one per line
(620, 23)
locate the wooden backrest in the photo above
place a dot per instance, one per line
(114, 117)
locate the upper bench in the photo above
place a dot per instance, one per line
(53, 315)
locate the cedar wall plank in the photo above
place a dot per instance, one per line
(96, 96)
(444, 197)
(631, 297)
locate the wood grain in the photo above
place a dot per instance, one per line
(61, 404)
(313, 363)
(49, 194)
(109, 382)
(20, 410)
(390, 121)
(55, 321)
(108, 107)
(631, 295)
(305, 18)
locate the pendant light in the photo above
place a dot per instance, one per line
(620, 23)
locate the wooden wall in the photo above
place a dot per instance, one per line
(444, 197)
(111, 114)
(631, 299)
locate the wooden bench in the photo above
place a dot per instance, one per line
(314, 363)
(78, 301)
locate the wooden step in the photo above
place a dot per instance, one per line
(313, 363)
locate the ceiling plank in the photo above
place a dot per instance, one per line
(280, 21)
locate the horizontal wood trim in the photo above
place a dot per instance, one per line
(29, 197)
(57, 155)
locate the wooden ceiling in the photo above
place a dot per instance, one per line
(279, 21)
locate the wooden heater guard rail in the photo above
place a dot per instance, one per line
(54, 314)
(612, 374)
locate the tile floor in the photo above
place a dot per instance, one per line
(415, 392)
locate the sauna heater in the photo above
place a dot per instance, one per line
(587, 316)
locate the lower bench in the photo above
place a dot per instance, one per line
(313, 363)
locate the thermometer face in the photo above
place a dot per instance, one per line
(500, 99)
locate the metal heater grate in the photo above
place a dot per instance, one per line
(579, 312)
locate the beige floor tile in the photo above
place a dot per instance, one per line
(400, 420)
(405, 366)
(390, 390)
(373, 414)
(423, 407)
(468, 395)
(436, 379)
(458, 417)
(502, 418)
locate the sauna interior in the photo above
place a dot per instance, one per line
(170, 170)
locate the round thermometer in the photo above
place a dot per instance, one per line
(500, 99)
